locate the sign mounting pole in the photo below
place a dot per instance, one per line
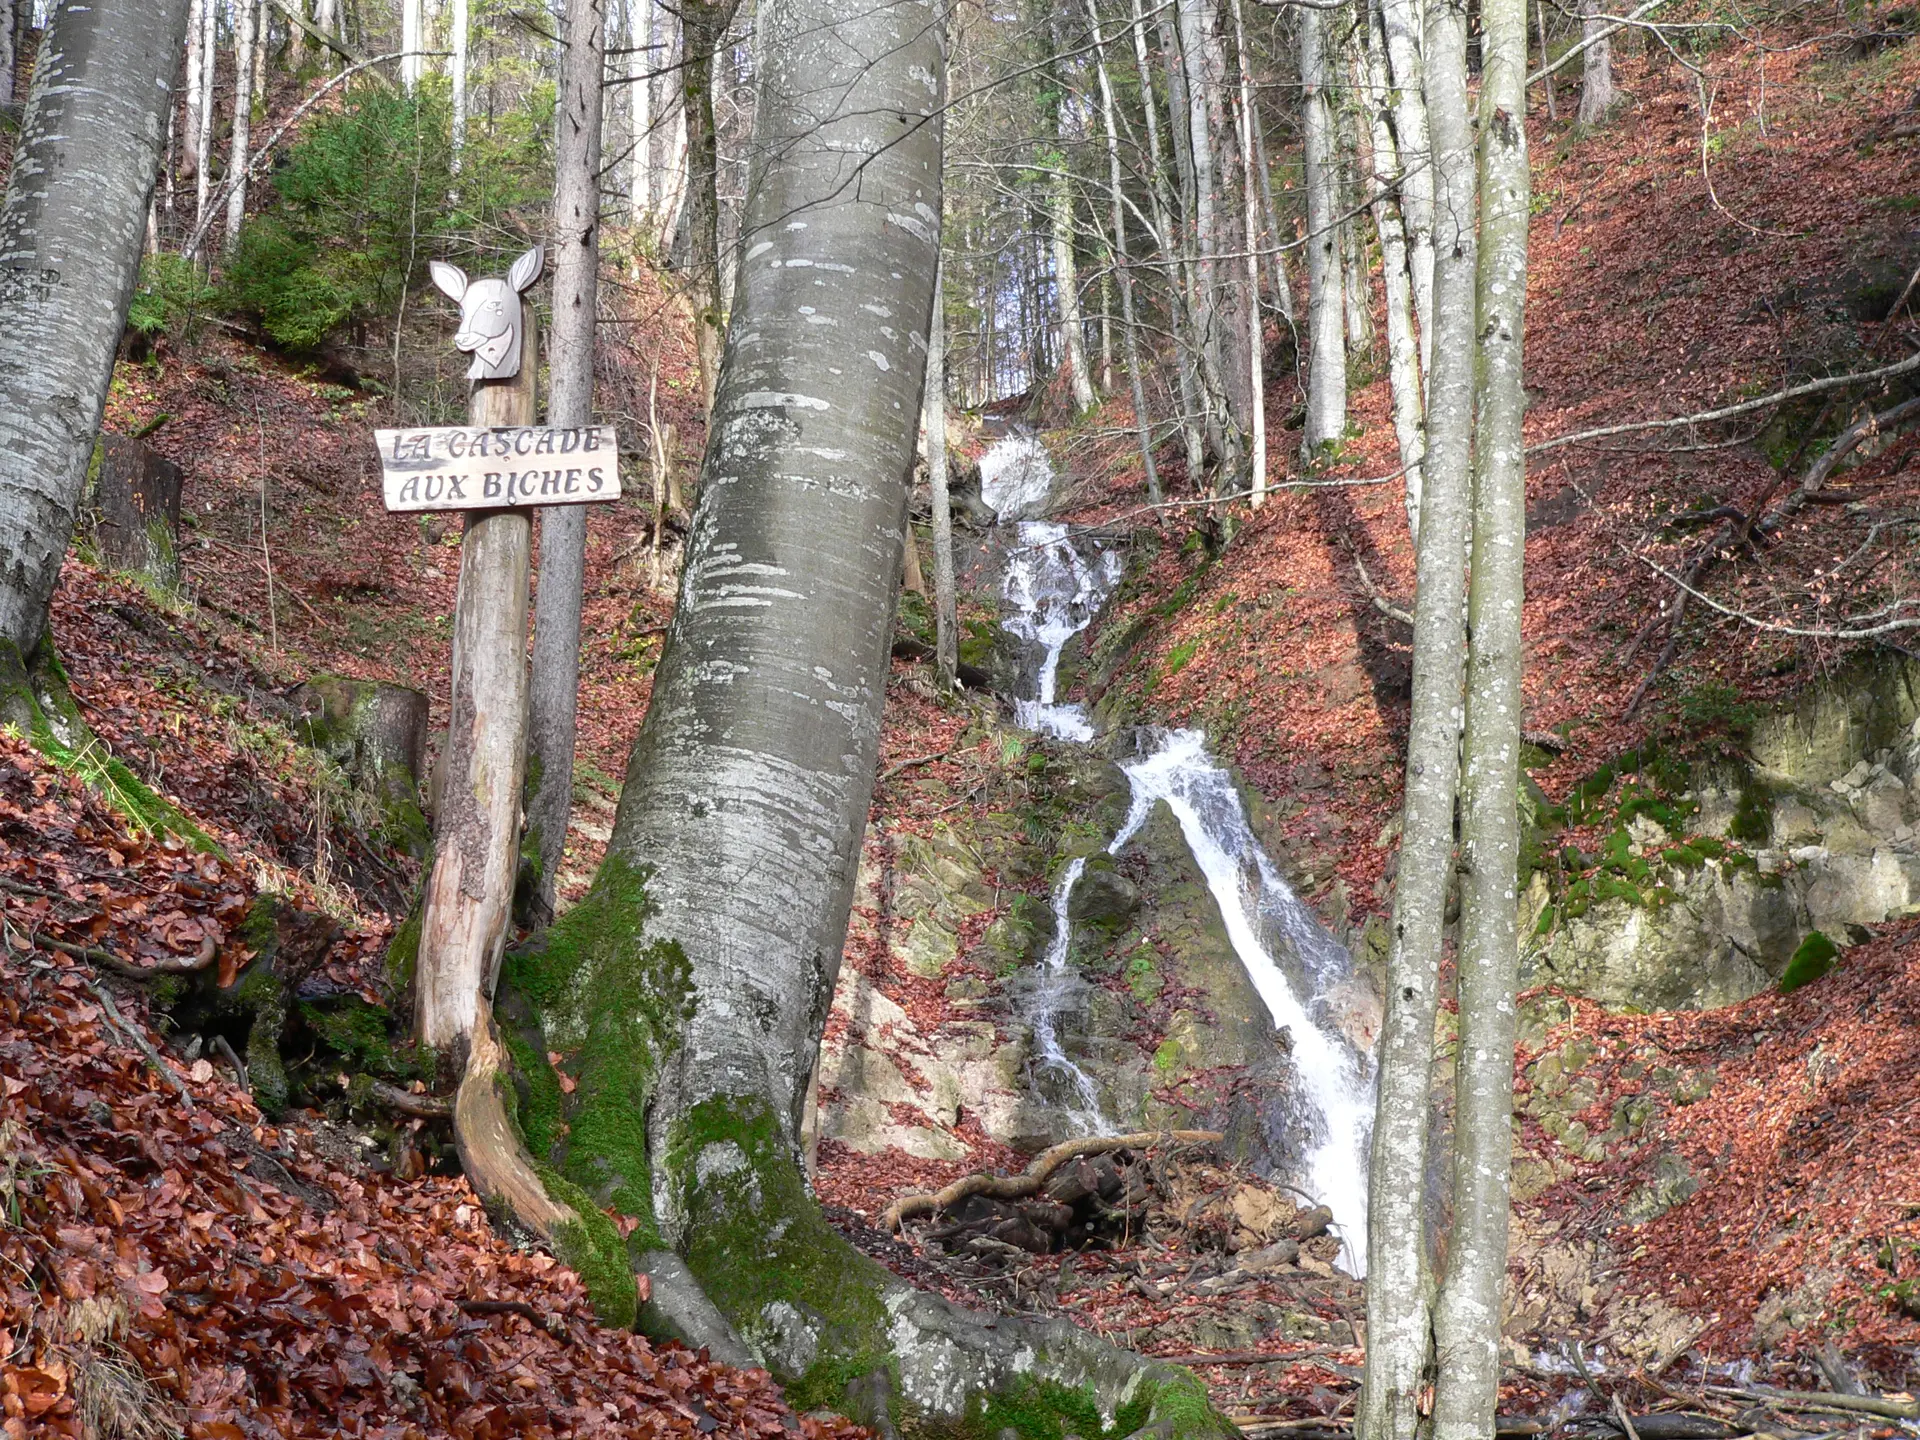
(469, 893)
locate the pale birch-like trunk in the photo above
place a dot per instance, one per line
(246, 41)
(1596, 64)
(563, 528)
(195, 87)
(1399, 1282)
(461, 23)
(1123, 265)
(1401, 25)
(641, 64)
(1403, 347)
(11, 36)
(671, 183)
(412, 41)
(1205, 65)
(71, 234)
(1282, 288)
(1357, 289)
(1326, 320)
(1170, 241)
(1466, 1320)
(946, 594)
(209, 41)
(1066, 286)
(703, 28)
(1256, 339)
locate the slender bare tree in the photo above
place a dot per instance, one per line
(1326, 321)
(1596, 63)
(563, 528)
(246, 43)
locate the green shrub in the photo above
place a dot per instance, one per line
(369, 195)
(170, 293)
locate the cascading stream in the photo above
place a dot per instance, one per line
(1053, 592)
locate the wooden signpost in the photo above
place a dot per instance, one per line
(496, 469)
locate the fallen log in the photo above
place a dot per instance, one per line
(1030, 1181)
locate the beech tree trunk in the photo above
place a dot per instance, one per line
(71, 235)
(563, 528)
(247, 20)
(1400, 24)
(1326, 322)
(1466, 1322)
(1399, 1281)
(195, 87)
(687, 994)
(1596, 65)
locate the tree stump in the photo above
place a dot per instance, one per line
(377, 734)
(137, 498)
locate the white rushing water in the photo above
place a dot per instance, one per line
(1053, 591)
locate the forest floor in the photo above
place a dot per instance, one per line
(258, 1274)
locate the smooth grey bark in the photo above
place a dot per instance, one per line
(1326, 322)
(209, 43)
(71, 235)
(1250, 210)
(195, 87)
(946, 594)
(1205, 75)
(641, 63)
(555, 690)
(1596, 64)
(1066, 288)
(1403, 346)
(412, 41)
(703, 27)
(1281, 287)
(1399, 1283)
(1358, 288)
(1123, 263)
(1158, 190)
(1466, 1319)
(1401, 24)
(460, 21)
(246, 42)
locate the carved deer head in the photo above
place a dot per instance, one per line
(490, 318)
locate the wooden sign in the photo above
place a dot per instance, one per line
(474, 468)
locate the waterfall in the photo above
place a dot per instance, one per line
(1299, 970)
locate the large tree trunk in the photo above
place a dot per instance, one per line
(196, 116)
(687, 994)
(1466, 1322)
(245, 44)
(1399, 1283)
(1326, 321)
(71, 235)
(563, 528)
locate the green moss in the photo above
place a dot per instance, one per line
(1179, 657)
(1167, 1058)
(595, 1251)
(403, 954)
(1683, 857)
(1753, 816)
(358, 1033)
(1815, 956)
(612, 1002)
(761, 1248)
(1043, 1410)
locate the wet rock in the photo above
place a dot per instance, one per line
(1103, 897)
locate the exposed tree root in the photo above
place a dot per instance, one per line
(1029, 1181)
